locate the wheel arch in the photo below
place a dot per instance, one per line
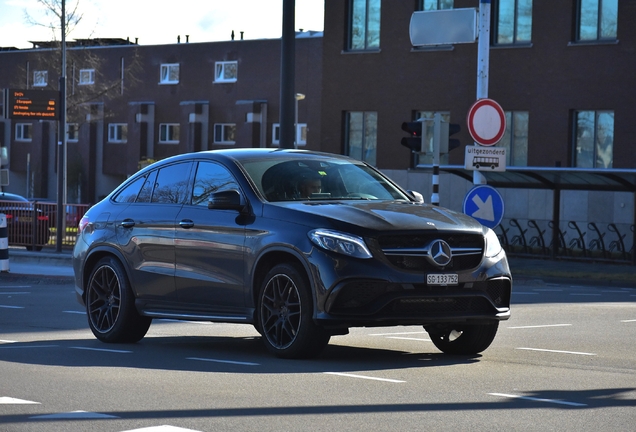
(93, 257)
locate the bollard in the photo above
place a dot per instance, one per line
(4, 244)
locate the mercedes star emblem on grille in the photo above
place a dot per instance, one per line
(440, 253)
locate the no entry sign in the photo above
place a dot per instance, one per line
(486, 122)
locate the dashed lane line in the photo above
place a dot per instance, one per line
(75, 415)
(557, 351)
(5, 400)
(364, 377)
(11, 307)
(540, 326)
(224, 361)
(533, 399)
(101, 350)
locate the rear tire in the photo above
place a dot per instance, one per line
(110, 305)
(285, 315)
(463, 339)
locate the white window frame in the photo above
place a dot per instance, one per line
(118, 132)
(40, 78)
(72, 132)
(165, 73)
(224, 133)
(301, 134)
(86, 76)
(169, 129)
(23, 132)
(220, 72)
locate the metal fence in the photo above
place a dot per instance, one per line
(33, 224)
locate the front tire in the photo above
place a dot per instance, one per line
(110, 305)
(285, 315)
(463, 339)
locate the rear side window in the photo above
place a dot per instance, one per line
(172, 182)
(210, 178)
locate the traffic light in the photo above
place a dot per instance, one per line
(414, 141)
(446, 142)
(453, 143)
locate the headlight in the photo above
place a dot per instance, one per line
(345, 244)
(493, 247)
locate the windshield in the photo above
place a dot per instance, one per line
(319, 179)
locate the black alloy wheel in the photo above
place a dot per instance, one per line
(285, 315)
(110, 305)
(463, 339)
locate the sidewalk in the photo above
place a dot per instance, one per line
(524, 270)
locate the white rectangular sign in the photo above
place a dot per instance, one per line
(481, 158)
(444, 26)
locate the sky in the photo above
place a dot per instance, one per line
(156, 22)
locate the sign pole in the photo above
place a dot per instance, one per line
(437, 124)
(483, 59)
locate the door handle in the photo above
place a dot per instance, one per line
(127, 223)
(186, 223)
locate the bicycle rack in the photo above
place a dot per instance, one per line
(578, 242)
(597, 243)
(504, 237)
(537, 240)
(618, 244)
(520, 238)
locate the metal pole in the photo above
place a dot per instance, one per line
(483, 59)
(61, 143)
(437, 124)
(287, 75)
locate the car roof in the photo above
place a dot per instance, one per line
(6, 196)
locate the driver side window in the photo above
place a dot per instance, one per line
(211, 178)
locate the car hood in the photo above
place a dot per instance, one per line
(377, 215)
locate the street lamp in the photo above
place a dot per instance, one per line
(299, 97)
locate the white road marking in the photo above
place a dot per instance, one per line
(75, 312)
(13, 401)
(407, 338)
(556, 351)
(101, 350)
(540, 326)
(6, 341)
(224, 361)
(75, 415)
(11, 307)
(163, 428)
(548, 290)
(400, 333)
(14, 292)
(585, 294)
(634, 320)
(28, 346)
(16, 287)
(363, 377)
(615, 291)
(525, 293)
(554, 401)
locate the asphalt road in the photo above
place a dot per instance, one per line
(565, 361)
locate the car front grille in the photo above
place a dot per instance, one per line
(411, 253)
(378, 298)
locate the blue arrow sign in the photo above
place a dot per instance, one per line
(485, 204)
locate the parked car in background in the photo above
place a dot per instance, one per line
(302, 245)
(26, 225)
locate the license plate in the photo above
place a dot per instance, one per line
(442, 279)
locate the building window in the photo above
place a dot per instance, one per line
(597, 20)
(72, 130)
(86, 76)
(594, 139)
(224, 133)
(362, 135)
(364, 25)
(117, 132)
(301, 134)
(169, 73)
(513, 22)
(23, 132)
(169, 133)
(426, 5)
(427, 157)
(226, 71)
(40, 78)
(515, 139)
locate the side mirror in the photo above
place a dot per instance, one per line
(418, 197)
(226, 200)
